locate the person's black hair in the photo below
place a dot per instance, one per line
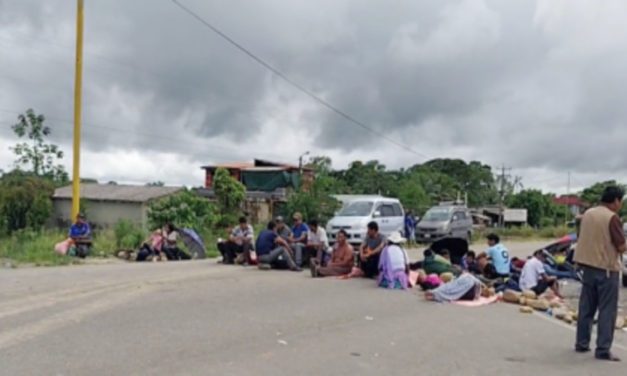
(343, 232)
(611, 194)
(271, 225)
(243, 220)
(471, 254)
(494, 237)
(170, 227)
(426, 286)
(427, 253)
(313, 222)
(445, 252)
(373, 226)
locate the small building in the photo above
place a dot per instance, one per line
(575, 204)
(268, 185)
(106, 204)
(262, 175)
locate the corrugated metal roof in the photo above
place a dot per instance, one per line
(111, 192)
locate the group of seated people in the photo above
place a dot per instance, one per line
(278, 245)
(282, 247)
(162, 245)
(495, 268)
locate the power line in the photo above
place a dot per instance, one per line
(290, 81)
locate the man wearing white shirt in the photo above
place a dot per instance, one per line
(317, 243)
(534, 277)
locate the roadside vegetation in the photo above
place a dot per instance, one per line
(26, 206)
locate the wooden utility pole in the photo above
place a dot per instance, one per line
(78, 83)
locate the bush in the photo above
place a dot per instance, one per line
(185, 209)
(34, 247)
(24, 201)
(128, 235)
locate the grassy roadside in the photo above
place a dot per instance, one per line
(36, 248)
(524, 233)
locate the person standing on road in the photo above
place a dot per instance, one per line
(599, 248)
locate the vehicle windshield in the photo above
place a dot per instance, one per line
(356, 209)
(437, 215)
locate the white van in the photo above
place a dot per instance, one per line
(358, 212)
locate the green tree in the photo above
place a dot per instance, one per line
(36, 155)
(230, 195)
(316, 202)
(474, 178)
(592, 194)
(412, 194)
(185, 209)
(540, 207)
(24, 201)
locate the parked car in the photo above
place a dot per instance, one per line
(445, 221)
(356, 214)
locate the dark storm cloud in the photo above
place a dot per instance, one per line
(531, 84)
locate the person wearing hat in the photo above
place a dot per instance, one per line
(80, 233)
(394, 264)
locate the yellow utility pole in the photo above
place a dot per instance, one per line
(78, 83)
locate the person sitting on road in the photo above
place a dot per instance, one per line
(464, 287)
(499, 255)
(272, 250)
(394, 264)
(240, 243)
(468, 261)
(81, 236)
(342, 259)
(317, 247)
(283, 230)
(151, 247)
(298, 241)
(170, 245)
(535, 278)
(370, 251)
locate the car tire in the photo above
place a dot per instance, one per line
(624, 280)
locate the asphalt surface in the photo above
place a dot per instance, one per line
(200, 318)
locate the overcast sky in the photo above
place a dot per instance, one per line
(539, 86)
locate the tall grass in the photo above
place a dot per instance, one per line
(525, 232)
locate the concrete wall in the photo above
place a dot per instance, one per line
(102, 214)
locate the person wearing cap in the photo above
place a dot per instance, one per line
(394, 264)
(282, 229)
(80, 233)
(298, 241)
(600, 246)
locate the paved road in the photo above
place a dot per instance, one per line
(199, 318)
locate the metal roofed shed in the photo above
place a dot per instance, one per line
(106, 204)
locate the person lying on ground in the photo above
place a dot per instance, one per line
(464, 287)
(437, 264)
(240, 243)
(272, 250)
(81, 236)
(370, 251)
(394, 264)
(342, 259)
(535, 278)
(317, 247)
(298, 241)
(151, 247)
(499, 255)
(428, 282)
(170, 245)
